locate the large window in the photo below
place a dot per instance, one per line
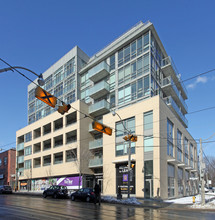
(186, 151)
(121, 145)
(169, 138)
(134, 49)
(148, 131)
(171, 180)
(112, 62)
(71, 155)
(28, 150)
(58, 91)
(179, 145)
(180, 182)
(191, 155)
(28, 136)
(27, 164)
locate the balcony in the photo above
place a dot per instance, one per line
(98, 143)
(99, 72)
(20, 147)
(99, 108)
(169, 87)
(20, 159)
(173, 106)
(21, 171)
(96, 162)
(169, 69)
(98, 90)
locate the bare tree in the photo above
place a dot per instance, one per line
(210, 168)
(81, 162)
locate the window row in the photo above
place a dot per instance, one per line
(71, 137)
(48, 128)
(182, 154)
(69, 155)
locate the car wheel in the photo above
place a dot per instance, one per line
(44, 195)
(73, 198)
(88, 199)
(55, 196)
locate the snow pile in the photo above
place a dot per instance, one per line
(130, 201)
(209, 201)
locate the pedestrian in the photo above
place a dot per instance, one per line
(97, 191)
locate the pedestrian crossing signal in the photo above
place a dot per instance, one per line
(45, 96)
(102, 128)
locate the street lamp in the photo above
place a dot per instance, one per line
(40, 80)
(128, 138)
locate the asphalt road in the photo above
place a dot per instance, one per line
(28, 207)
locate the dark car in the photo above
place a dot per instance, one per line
(85, 194)
(56, 192)
(5, 189)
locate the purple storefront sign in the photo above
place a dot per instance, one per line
(71, 182)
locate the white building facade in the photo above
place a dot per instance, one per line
(134, 76)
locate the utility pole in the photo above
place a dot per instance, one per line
(202, 173)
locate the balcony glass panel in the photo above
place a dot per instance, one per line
(20, 159)
(96, 143)
(96, 161)
(98, 90)
(99, 71)
(20, 146)
(169, 101)
(169, 81)
(168, 61)
(101, 105)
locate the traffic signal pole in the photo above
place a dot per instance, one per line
(129, 167)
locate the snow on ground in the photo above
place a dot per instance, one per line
(209, 201)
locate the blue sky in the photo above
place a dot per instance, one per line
(36, 33)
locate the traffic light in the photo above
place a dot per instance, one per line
(45, 96)
(132, 165)
(64, 108)
(101, 128)
(130, 137)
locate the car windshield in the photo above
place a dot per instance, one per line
(7, 187)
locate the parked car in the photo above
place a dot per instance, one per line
(5, 189)
(85, 194)
(56, 192)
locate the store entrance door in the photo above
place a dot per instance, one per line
(148, 188)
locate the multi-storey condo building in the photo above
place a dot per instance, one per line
(134, 77)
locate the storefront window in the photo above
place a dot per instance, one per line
(171, 180)
(180, 182)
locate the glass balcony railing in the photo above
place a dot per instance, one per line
(100, 107)
(96, 144)
(20, 147)
(169, 81)
(96, 162)
(20, 159)
(169, 101)
(98, 90)
(168, 61)
(99, 71)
